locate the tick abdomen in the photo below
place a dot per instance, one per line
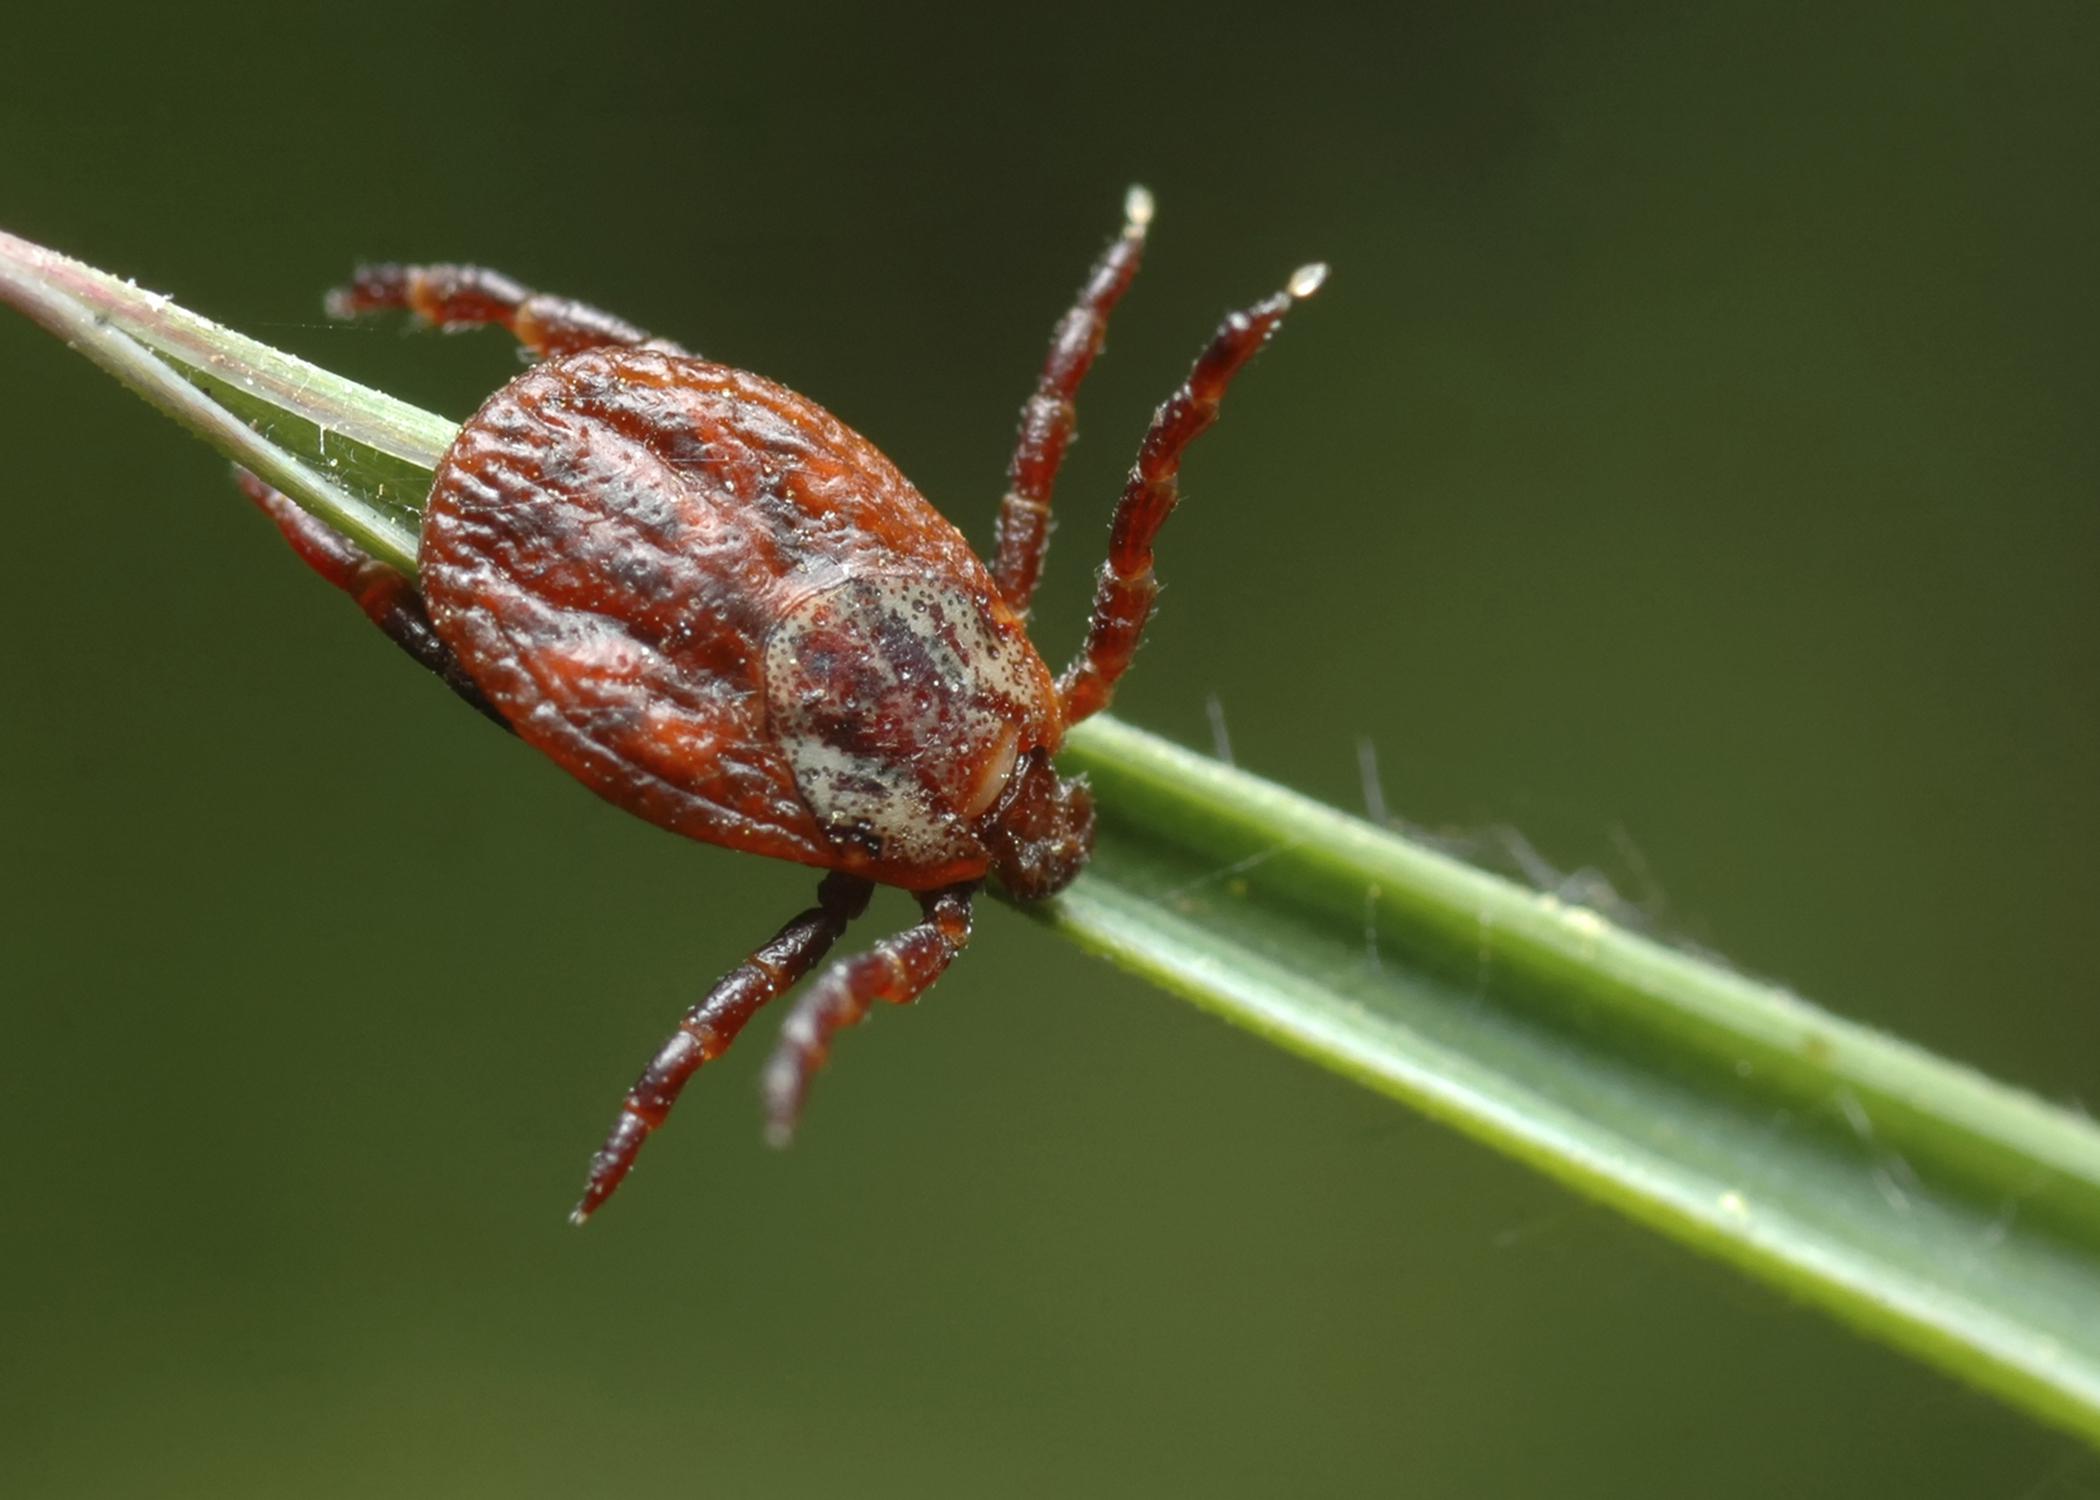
(640, 558)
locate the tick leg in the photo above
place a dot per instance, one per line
(387, 599)
(452, 297)
(1126, 588)
(1048, 418)
(898, 969)
(710, 1026)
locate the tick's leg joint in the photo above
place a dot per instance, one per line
(1049, 417)
(449, 297)
(898, 970)
(709, 1027)
(1126, 588)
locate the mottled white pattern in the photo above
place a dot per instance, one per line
(899, 702)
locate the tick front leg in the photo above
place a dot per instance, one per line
(1049, 418)
(710, 1026)
(1126, 588)
(898, 969)
(387, 599)
(451, 297)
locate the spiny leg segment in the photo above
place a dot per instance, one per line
(1126, 589)
(898, 970)
(710, 1026)
(1049, 418)
(451, 297)
(387, 599)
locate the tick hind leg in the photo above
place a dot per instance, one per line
(898, 970)
(1126, 588)
(1049, 419)
(710, 1026)
(449, 297)
(387, 599)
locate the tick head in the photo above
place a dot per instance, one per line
(1041, 832)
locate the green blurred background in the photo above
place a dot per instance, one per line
(1691, 465)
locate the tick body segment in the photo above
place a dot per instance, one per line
(717, 606)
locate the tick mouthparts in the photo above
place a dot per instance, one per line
(1306, 280)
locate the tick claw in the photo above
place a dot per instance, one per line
(1306, 280)
(1137, 210)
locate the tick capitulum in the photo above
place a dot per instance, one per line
(717, 606)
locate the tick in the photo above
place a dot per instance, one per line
(722, 609)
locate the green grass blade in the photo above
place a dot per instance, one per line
(356, 458)
(1929, 1206)
(1917, 1199)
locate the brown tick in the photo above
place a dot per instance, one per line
(719, 607)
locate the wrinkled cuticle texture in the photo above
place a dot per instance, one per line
(725, 611)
